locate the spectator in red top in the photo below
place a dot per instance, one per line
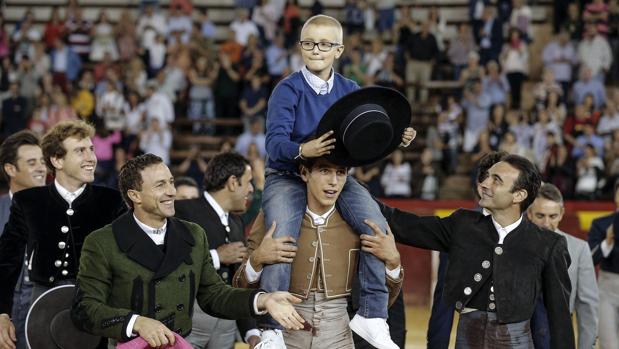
(574, 125)
(597, 12)
(53, 29)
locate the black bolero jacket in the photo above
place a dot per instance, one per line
(530, 261)
(53, 233)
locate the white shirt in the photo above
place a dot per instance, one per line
(223, 217)
(503, 231)
(155, 234)
(319, 219)
(317, 84)
(68, 196)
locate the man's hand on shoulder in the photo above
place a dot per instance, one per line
(154, 332)
(273, 250)
(232, 253)
(318, 147)
(7, 332)
(381, 245)
(280, 307)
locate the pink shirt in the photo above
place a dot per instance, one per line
(104, 147)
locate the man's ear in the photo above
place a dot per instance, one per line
(134, 196)
(339, 51)
(56, 162)
(304, 172)
(231, 183)
(10, 169)
(520, 196)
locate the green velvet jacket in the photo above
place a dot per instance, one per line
(122, 272)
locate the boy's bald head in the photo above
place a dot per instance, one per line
(327, 21)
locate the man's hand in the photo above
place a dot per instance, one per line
(253, 341)
(279, 305)
(272, 251)
(319, 146)
(610, 236)
(154, 332)
(381, 245)
(408, 136)
(7, 332)
(257, 169)
(232, 253)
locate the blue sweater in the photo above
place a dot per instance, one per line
(294, 112)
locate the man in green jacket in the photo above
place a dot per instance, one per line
(139, 276)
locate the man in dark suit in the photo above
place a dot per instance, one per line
(498, 263)
(602, 241)
(490, 36)
(228, 186)
(23, 166)
(51, 222)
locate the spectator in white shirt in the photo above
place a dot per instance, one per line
(157, 140)
(594, 52)
(158, 105)
(560, 56)
(149, 25)
(243, 27)
(396, 178)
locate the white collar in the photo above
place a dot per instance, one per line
(485, 212)
(68, 196)
(155, 234)
(320, 219)
(317, 84)
(503, 231)
(223, 215)
(10, 195)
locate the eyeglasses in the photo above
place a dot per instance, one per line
(322, 46)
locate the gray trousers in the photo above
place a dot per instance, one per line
(481, 330)
(608, 310)
(330, 320)
(209, 332)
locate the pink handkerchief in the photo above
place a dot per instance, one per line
(140, 343)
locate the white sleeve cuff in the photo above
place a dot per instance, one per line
(251, 275)
(216, 262)
(130, 325)
(258, 312)
(606, 248)
(252, 332)
(395, 273)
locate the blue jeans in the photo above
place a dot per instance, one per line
(284, 201)
(22, 298)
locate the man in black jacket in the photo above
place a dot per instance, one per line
(499, 264)
(228, 186)
(51, 222)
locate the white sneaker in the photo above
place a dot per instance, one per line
(375, 331)
(271, 339)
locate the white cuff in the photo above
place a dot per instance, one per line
(258, 312)
(129, 331)
(216, 262)
(251, 275)
(606, 248)
(395, 273)
(252, 332)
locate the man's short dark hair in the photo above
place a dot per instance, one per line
(221, 167)
(10, 147)
(488, 161)
(185, 181)
(130, 177)
(528, 179)
(550, 192)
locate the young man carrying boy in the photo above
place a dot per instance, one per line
(295, 109)
(323, 265)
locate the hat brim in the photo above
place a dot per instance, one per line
(50, 313)
(395, 104)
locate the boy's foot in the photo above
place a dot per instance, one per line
(375, 331)
(271, 339)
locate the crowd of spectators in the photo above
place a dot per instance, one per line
(133, 76)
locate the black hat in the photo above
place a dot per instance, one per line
(368, 125)
(49, 324)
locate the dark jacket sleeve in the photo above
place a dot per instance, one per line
(90, 311)
(12, 248)
(428, 232)
(556, 291)
(597, 234)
